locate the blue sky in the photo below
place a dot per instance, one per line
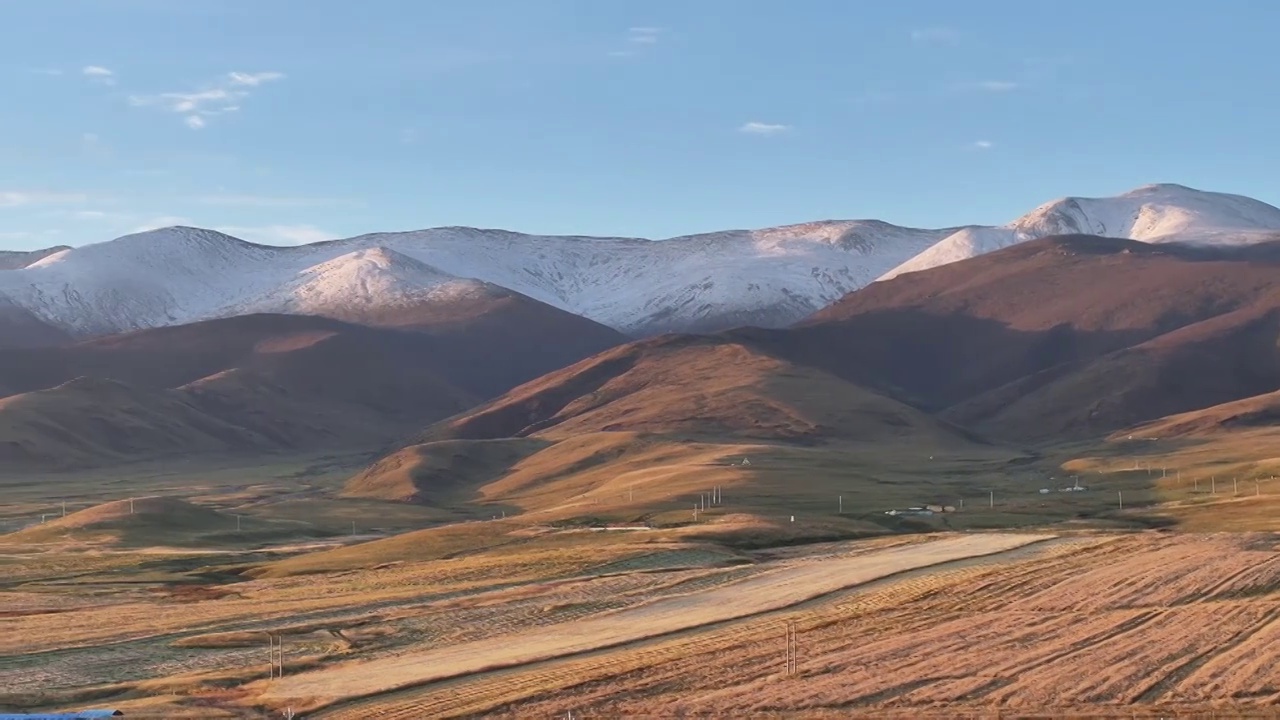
(286, 121)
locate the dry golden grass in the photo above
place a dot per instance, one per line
(782, 587)
(1091, 626)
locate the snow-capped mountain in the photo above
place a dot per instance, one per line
(377, 277)
(1152, 213)
(178, 275)
(767, 277)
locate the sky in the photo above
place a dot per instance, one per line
(290, 121)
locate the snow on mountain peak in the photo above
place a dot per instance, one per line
(771, 276)
(1163, 212)
(369, 277)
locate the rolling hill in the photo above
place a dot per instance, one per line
(696, 387)
(88, 422)
(661, 414)
(255, 383)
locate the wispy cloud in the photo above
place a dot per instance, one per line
(760, 128)
(253, 79)
(643, 35)
(982, 145)
(991, 86)
(638, 38)
(219, 98)
(268, 201)
(279, 234)
(21, 198)
(936, 36)
(97, 73)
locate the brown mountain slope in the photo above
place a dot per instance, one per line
(300, 382)
(90, 421)
(21, 329)
(497, 345)
(273, 382)
(1225, 358)
(501, 336)
(695, 387)
(943, 336)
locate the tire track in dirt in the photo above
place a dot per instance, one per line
(1176, 675)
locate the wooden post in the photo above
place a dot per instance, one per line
(993, 498)
(1235, 486)
(1121, 494)
(840, 500)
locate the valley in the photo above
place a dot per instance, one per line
(964, 488)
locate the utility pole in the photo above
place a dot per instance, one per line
(1121, 494)
(993, 498)
(840, 500)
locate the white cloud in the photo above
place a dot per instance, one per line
(100, 74)
(982, 145)
(279, 234)
(936, 36)
(220, 98)
(759, 128)
(253, 79)
(19, 198)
